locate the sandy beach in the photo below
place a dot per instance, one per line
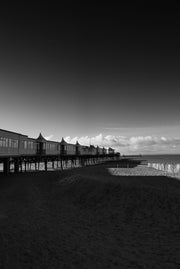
(89, 218)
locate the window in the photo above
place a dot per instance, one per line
(14, 143)
(1, 141)
(6, 142)
(52, 147)
(10, 142)
(30, 145)
(25, 144)
(47, 146)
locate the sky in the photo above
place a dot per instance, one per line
(103, 75)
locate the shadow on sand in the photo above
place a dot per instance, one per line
(87, 218)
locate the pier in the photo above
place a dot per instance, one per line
(13, 164)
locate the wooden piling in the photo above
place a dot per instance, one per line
(45, 164)
(6, 166)
(16, 166)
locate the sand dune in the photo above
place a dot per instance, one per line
(88, 218)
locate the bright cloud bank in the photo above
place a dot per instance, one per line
(134, 144)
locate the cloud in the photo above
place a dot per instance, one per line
(133, 144)
(49, 137)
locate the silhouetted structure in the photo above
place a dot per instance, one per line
(18, 149)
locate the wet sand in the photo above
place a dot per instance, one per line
(89, 218)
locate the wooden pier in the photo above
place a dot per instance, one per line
(13, 164)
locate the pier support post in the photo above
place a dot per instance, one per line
(16, 166)
(25, 163)
(53, 164)
(61, 164)
(45, 164)
(6, 165)
(21, 166)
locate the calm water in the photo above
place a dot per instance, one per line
(168, 158)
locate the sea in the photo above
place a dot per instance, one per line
(170, 163)
(165, 158)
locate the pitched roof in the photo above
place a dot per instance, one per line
(12, 132)
(63, 141)
(41, 138)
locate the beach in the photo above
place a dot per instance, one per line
(100, 216)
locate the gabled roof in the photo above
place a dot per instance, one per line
(92, 146)
(63, 141)
(41, 138)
